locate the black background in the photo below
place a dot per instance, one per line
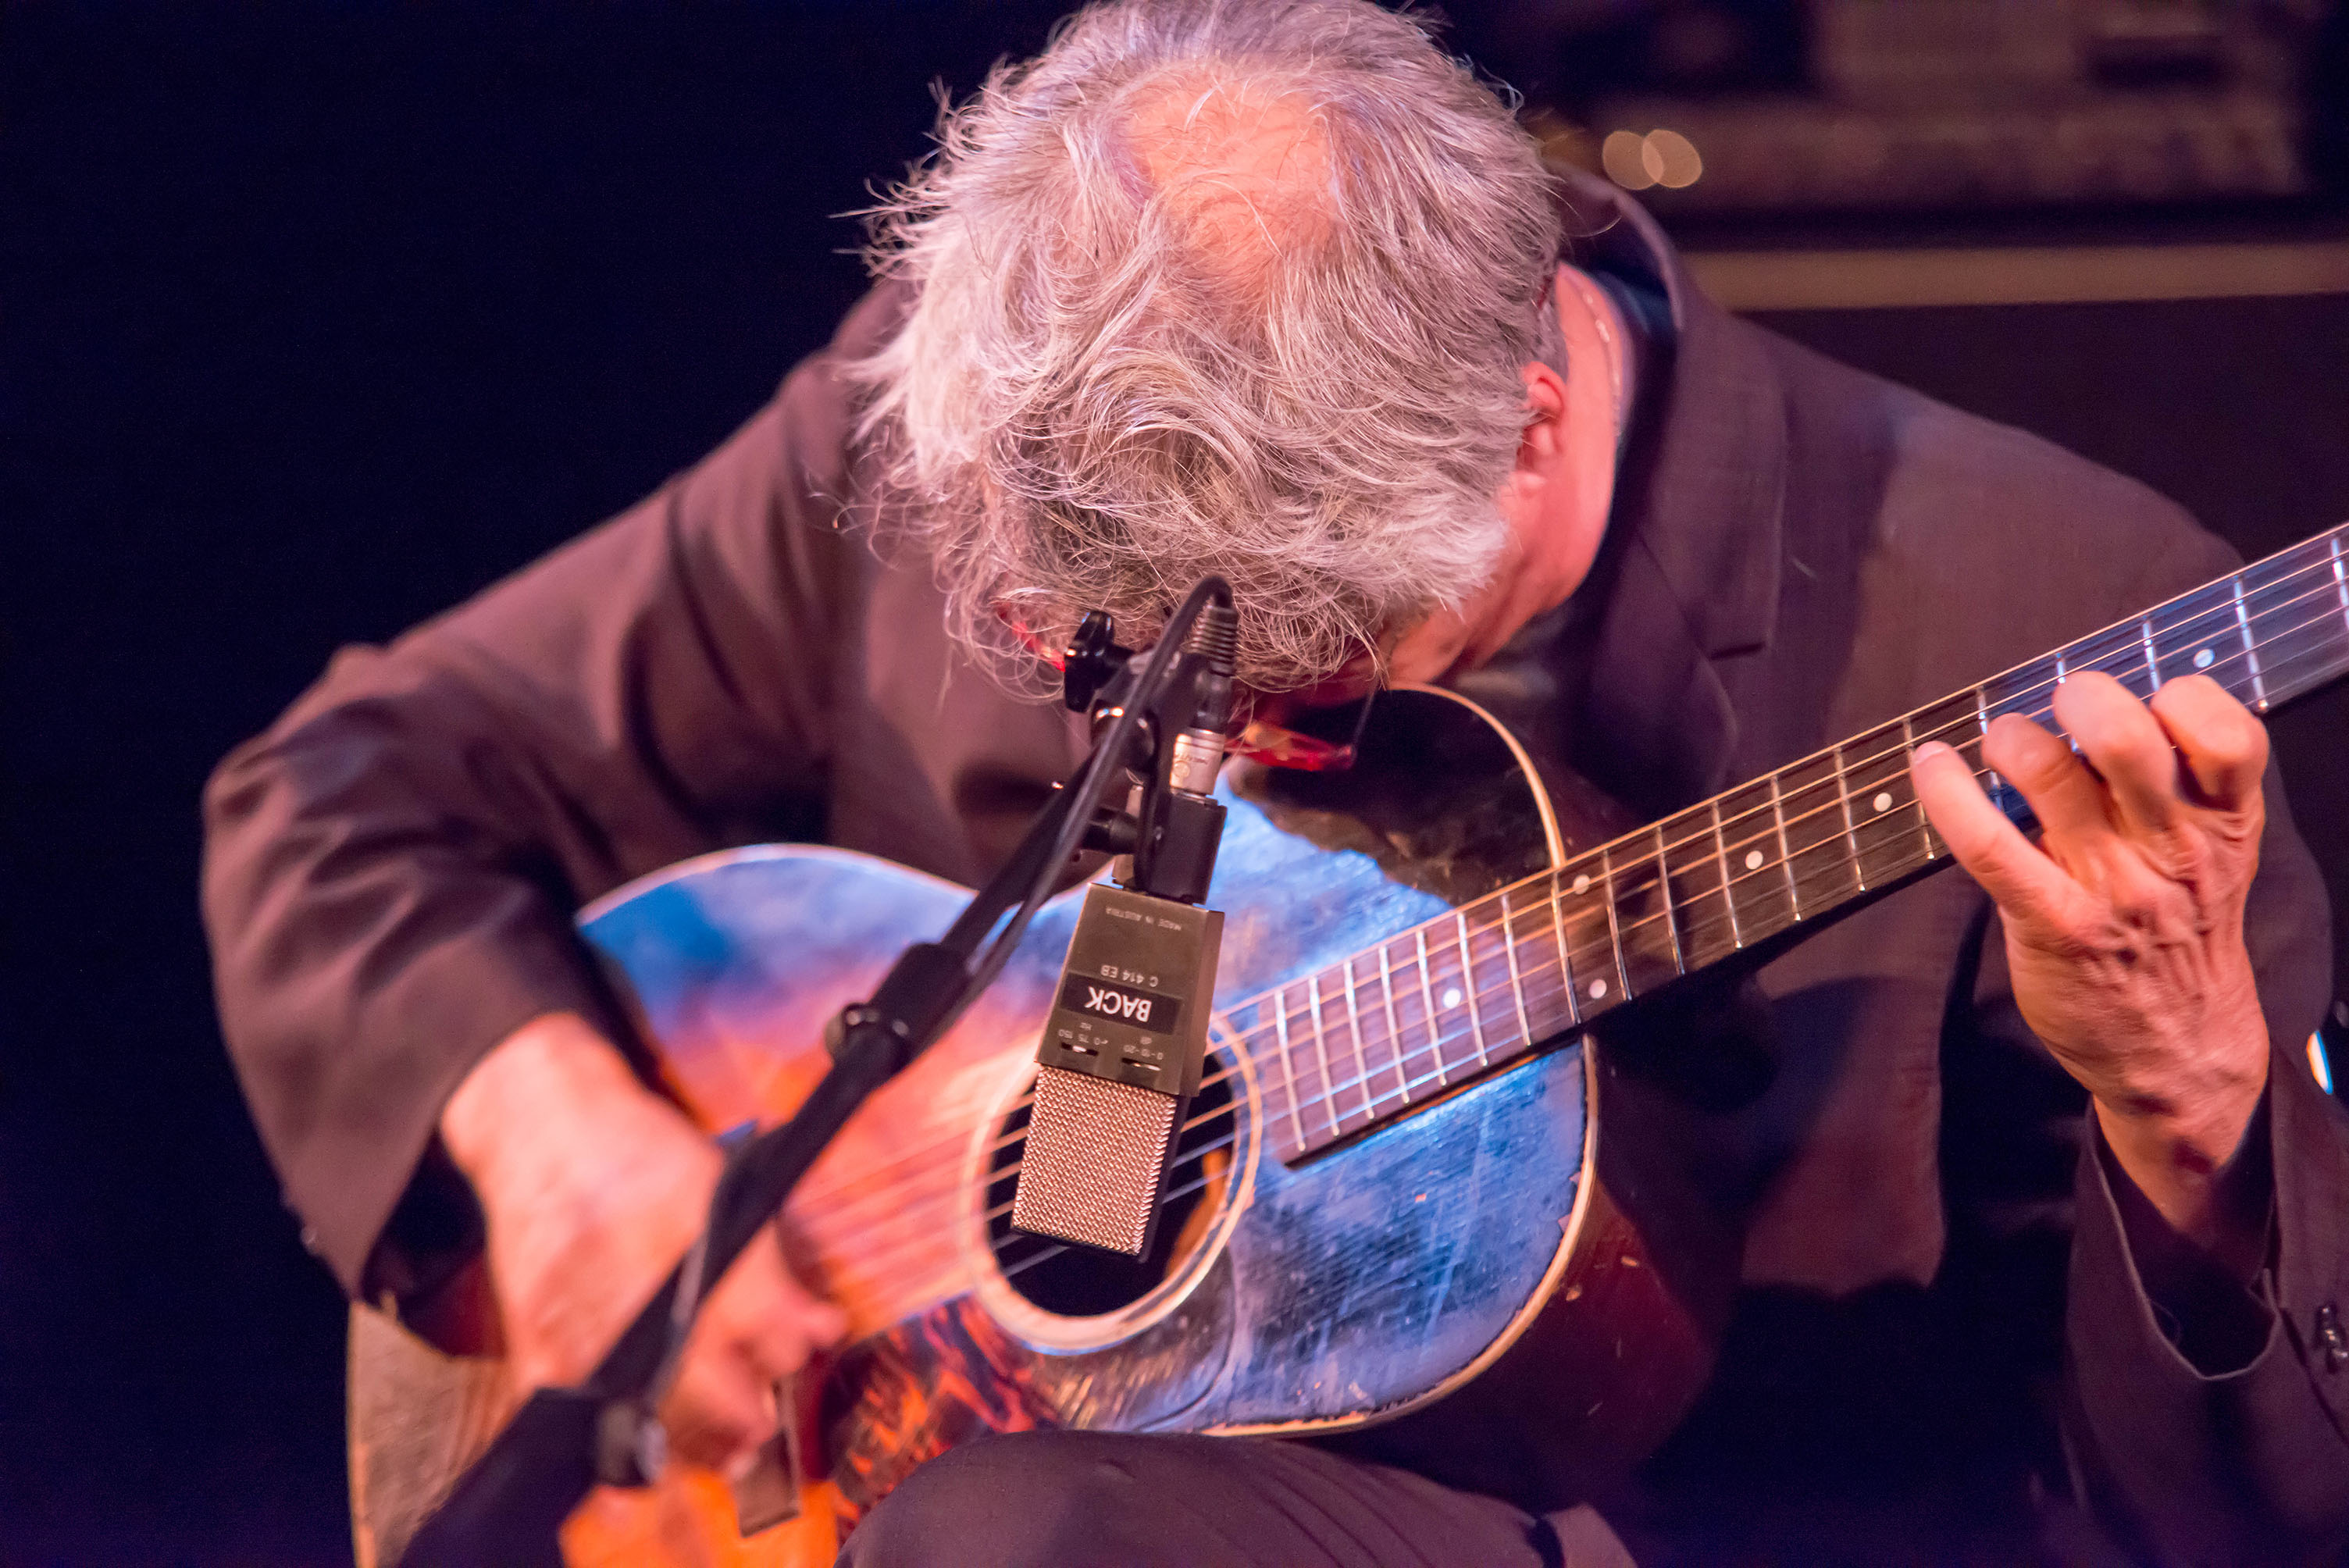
(316, 319)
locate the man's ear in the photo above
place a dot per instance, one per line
(1541, 445)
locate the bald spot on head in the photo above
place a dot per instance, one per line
(1241, 165)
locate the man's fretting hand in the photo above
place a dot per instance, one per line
(2125, 926)
(593, 1189)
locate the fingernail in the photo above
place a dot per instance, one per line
(742, 1464)
(1926, 750)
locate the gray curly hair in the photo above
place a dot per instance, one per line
(1241, 286)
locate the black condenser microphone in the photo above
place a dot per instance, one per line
(1116, 1071)
(1124, 1044)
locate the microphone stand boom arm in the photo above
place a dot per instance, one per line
(509, 1505)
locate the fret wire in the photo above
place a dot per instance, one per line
(2034, 714)
(2037, 713)
(1329, 1097)
(2205, 624)
(2152, 664)
(1394, 1023)
(2341, 578)
(2286, 632)
(1422, 1078)
(1786, 851)
(1981, 714)
(2243, 620)
(1321, 1049)
(1982, 722)
(2330, 666)
(1614, 926)
(1539, 969)
(1338, 1088)
(1535, 971)
(1468, 988)
(1720, 860)
(1565, 960)
(1517, 982)
(1280, 1021)
(1414, 1082)
(1924, 823)
(1850, 833)
(2333, 562)
(1664, 892)
(1427, 999)
(2220, 611)
(1354, 1025)
(2061, 676)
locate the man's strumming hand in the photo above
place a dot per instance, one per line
(2125, 926)
(593, 1188)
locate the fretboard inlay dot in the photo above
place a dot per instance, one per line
(1489, 981)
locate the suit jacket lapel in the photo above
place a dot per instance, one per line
(1693, 536)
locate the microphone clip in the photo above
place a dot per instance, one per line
(1167, 833)
(1127, 1034)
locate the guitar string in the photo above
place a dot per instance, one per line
(1196, 1183)
(1541, 968)
(1531, 973)
(1199, 1151)
(1397, 1063)
(2128, 650)
(1469, 958)
(1654, 856)
(1362, 1086)
(907, 1237)
(1254, 1038)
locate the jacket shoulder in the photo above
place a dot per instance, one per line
(2000, 544)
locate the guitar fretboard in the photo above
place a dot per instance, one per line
(1407, 1020)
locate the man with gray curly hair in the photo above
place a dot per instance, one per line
(1246, 290)
(2038, 1233)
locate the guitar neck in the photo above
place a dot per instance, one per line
(1401, 1023)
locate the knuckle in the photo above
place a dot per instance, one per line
(2062, 938)
(2039, 764)
(2140, 904)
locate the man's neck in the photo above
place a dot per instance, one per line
(1601, 371)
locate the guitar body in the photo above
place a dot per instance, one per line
(1361, 1292)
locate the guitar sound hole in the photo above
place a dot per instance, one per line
(1083, 1281)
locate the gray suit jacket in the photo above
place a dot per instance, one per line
(1943, 1348)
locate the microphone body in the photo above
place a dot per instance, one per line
(1119, 1063)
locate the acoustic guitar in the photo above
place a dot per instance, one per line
(1415, 1157)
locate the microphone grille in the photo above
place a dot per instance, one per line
(1096, 1154)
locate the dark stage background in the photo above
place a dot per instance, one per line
(314, 320)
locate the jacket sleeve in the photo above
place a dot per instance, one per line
(2204, 1416)
(390, 869)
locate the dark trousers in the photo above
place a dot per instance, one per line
(1109, 1500)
